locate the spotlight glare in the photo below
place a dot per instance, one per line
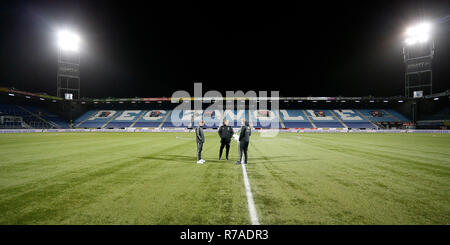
(68, 41)
(418, 34)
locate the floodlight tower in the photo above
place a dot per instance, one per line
(418, 52)
(68, 75)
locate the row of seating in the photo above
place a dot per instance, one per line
(349, 118)
(31, 117)
(47, 116)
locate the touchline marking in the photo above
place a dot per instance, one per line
(251, 203)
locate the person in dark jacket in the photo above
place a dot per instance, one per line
(226, 133)
(200, 138)
(244, 140)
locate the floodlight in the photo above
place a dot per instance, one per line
(418, 34)
(68, 41)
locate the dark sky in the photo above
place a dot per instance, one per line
(153, 49)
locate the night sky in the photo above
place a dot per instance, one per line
(153, 49)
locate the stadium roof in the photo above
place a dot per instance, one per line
(12, 92)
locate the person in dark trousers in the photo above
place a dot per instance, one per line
(226, 133)
(200, 138)
(244, 140)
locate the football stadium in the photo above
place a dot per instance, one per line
(123, 161)
(104, 156)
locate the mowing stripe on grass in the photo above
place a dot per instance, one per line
(251, 203)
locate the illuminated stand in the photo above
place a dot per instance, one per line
(68, 75)
(418, 54)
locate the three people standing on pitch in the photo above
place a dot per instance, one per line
(226, 133)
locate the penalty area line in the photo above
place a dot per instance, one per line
(251, 204)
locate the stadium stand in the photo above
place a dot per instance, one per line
(124, 119)
(264, 119)
(309, 118)
(295, 119)
(323, 119)
(353, 119)
(82, 119)
(121, 118)
(47, 116)
(25, 110)
(380, 115)
(15, 116)
(96, 119)
(151, 118)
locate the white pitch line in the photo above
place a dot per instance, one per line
(251, 203)
(248, 192)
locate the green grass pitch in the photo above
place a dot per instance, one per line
(153, 178)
